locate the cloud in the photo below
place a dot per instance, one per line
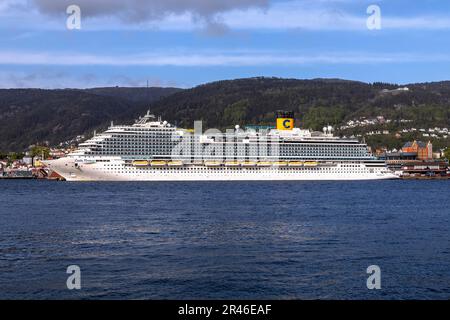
(144, 11)
(10, 4)
(214, 17)
(34, 79)
(417, 23)
(322, 15)
(295, 16)
(211, 59)
(49, 78)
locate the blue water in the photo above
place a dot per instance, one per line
(297, 240)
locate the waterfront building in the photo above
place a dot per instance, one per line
(423, 150)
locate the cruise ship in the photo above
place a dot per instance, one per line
(154, 150)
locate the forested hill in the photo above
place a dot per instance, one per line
(29, 116)
(134, 94)
(316, 102)
(254, 101)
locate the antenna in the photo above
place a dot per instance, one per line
(146, 92)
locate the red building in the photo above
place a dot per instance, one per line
(424, 150)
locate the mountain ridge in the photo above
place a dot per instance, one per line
(35, 116)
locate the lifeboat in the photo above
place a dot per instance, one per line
(295, 164)
(213, 163)
(264, 164)
(311, 164)
(232, 164)
(140, 163)
(280, 164)
(175, 163)
(87, 161)
(329, 164)
(248, 164)
(158, 163)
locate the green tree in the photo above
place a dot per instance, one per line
(39, 151)
(447, 153)
(236, 112)
(13, 156)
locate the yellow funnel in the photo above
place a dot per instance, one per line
(285, 120)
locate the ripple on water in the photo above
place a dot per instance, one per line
(225, 240)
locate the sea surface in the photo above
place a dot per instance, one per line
(225, 240)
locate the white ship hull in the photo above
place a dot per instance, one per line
(116, 170)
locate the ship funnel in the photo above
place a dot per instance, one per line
(285, 120)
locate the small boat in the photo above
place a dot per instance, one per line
(213, 163)
(140, 163)
(175, 163)
(89, 161)
(311, 164)
(158, 163)
(329, 164)
(280, 164)
(248, 164)
(77, 162)
(264, 164)
(232, 164)
(295, 164)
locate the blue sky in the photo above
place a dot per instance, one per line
(189, 42)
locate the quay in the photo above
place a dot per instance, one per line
(447, 177)
(16, 178)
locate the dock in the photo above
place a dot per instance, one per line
(425, 177)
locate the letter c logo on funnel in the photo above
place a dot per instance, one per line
(287, 124)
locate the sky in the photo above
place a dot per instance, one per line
(184, 43)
